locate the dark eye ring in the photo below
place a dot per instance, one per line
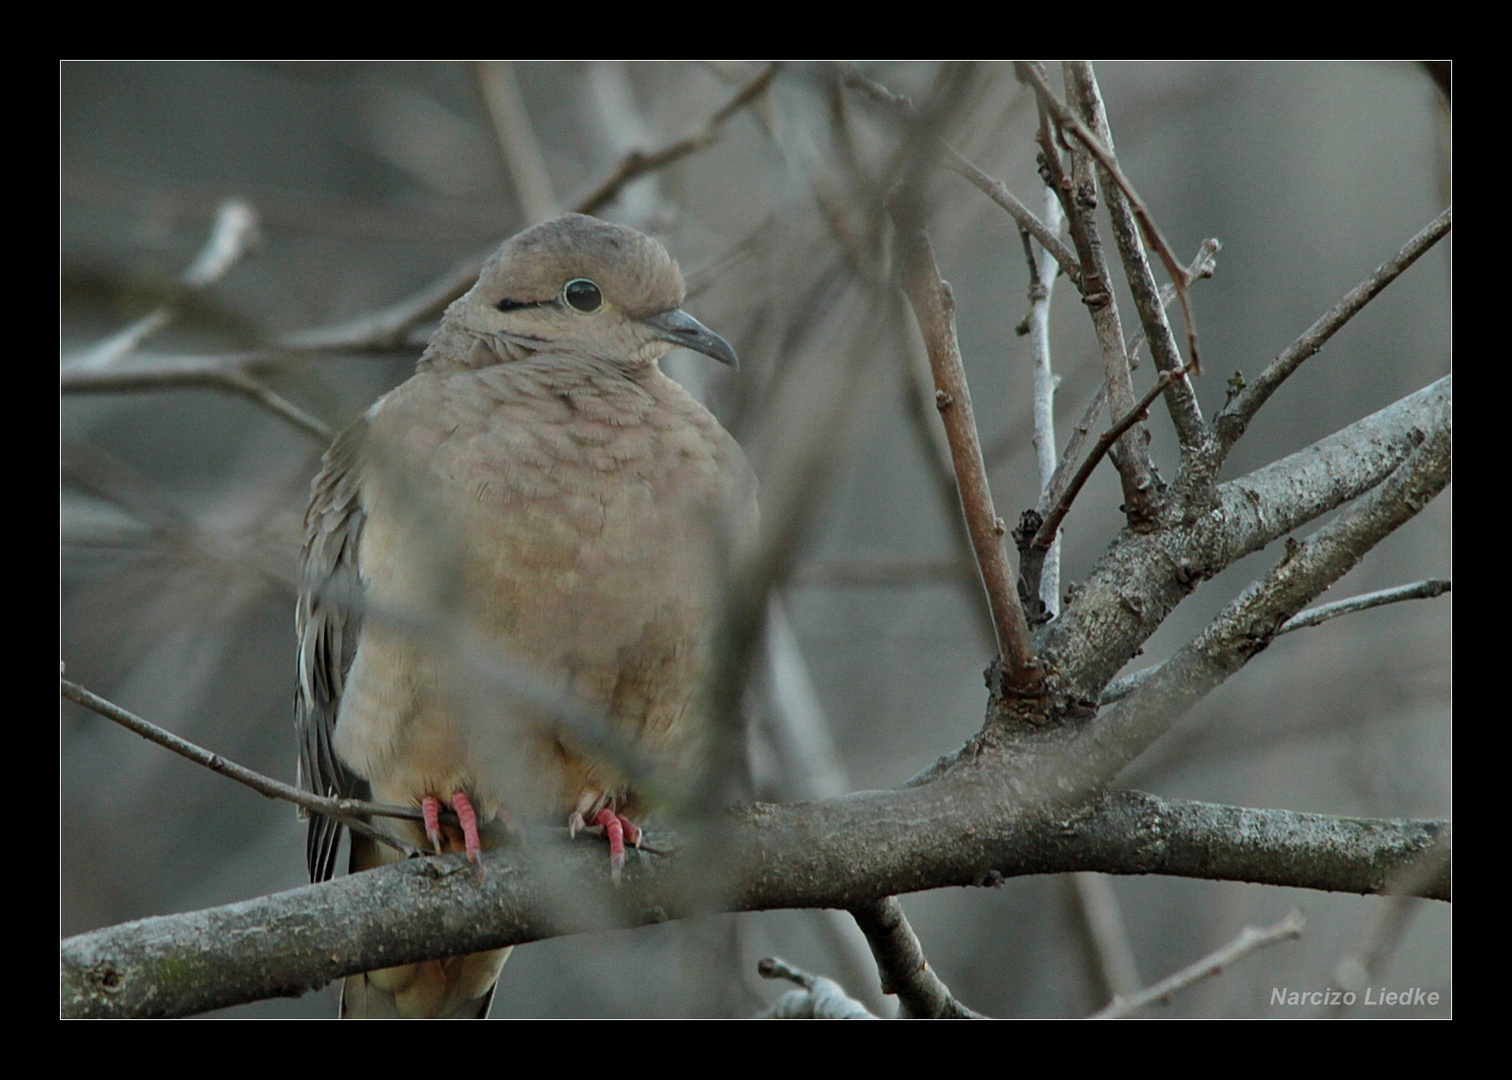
(582, 295)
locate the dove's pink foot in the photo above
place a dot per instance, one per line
(469, 819)
(617, 829)
(430, 809)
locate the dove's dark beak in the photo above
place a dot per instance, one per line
(683, 330)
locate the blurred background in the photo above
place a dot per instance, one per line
(371, 183)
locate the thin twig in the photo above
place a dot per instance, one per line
(1181, 400)
(233, 235)
(934, 308)
(1063, 468)
(901, 964)
(638, 162)
(958, 163)
(1067, 118)
(1047, 530)
(1426, 589)
(341, 809)
(1108, 936)
(1203, 265)
(1233, 420)
(519, 149)
(998, 192)
(231, 372)
(390, 328)
(1250, 939)
(1077, 191)
(820, 998)
(1046, 589)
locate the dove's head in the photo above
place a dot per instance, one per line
(579, 285)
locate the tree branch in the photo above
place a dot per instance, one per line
(638, 162)
(1250, 939)
(817, 999)
(344, 810)
(934, 308)
(1249, 623)
(969, 828)
(1427, 589)
(1232, 422)
(900, 959)
(1142, 578)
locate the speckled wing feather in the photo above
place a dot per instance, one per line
(328, 623)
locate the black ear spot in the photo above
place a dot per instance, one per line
(580, 294)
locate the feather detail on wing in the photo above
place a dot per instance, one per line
(328, 623)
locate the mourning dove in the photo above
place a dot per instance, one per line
(540, 486)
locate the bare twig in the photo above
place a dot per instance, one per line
(344, 810)
(1426, 589)
(921, 407)
(1047, 530)
(1067, 118)
(1203, 265)
(638, 162)
(1250, 939)
(391, 327)
(231, 372)
(1063, 468)
(1192, 434)
(1235, 418)
(820, 998)
(1108, 936)
(1041, 287)
(519, 148)
(901, 963)
(1077, 191)
(934, 308)
(234, 234)
(957, 162)
(1047, 233)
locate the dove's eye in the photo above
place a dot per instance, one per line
(582, 295)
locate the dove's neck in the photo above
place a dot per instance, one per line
(454, 349)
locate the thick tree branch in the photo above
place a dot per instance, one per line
(969, 828)
(1250, 622)
(1137, 584)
